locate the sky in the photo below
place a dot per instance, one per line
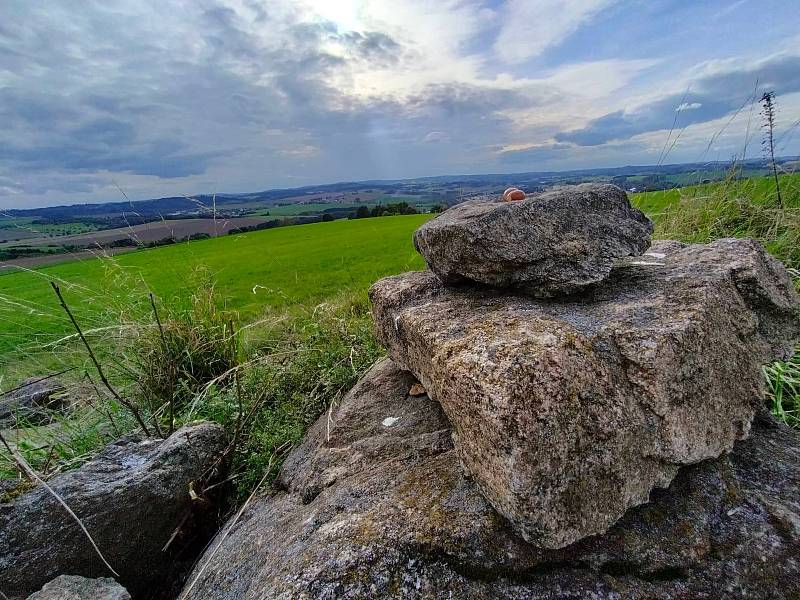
(102, 100)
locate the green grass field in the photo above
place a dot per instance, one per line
(309, 283)
(758, 190)
(272, 268)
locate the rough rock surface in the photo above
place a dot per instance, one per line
(131, 498)
(31, 402)
(553, 243)
(569, 412)
(74, 587)
(384, 511)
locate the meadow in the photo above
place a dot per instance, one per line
(303, 264)
(262, 331)
(756, 190)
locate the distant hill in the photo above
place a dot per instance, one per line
(640, 177)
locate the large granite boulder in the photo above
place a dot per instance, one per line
(131, 498)
(374, 504)
(556, 242)
(569, 412)
(74, 587)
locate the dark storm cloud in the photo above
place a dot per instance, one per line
(169, 114)
(160, 158)
(710, 97)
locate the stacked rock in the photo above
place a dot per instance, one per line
(579, 372)
(547, 245)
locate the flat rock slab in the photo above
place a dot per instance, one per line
(131, 498)
(74, 587)
(567, 413)
(550, 244)
(369, 510)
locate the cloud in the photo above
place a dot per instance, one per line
(718, 89)
(433, 137)
(235, 95)
(534, 154)
(529, 28)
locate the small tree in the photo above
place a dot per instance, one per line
(768, 113)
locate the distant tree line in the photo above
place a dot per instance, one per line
(302, 220)
(28, 251)
(384, 210)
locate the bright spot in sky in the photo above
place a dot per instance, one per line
(344, 13)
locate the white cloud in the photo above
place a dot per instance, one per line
(530, 27)
(179, 98)
(433, 137)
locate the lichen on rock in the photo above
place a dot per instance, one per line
(568, 412)
(365, 511)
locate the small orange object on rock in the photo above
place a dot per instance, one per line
(513, 194)
(417, 390)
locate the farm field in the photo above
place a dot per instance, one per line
(253, 271)
(292, 210)
(272, 268)
(149, 232)
(22, 228)
(368, 200)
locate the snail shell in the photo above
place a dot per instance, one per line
(513, 194)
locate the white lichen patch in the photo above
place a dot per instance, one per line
(390, 421)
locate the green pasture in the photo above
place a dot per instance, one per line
(759, 190)
(271, 268)
(298, 265)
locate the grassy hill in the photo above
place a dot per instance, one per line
(310, 263)
(276, 324)
(758, 190)
(304, 264)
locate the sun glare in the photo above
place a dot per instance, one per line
(343, 13)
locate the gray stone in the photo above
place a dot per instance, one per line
(550, 244)
(370, 509)
(569, 412)
(131, 498)
(31, 402)
(74, 587)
